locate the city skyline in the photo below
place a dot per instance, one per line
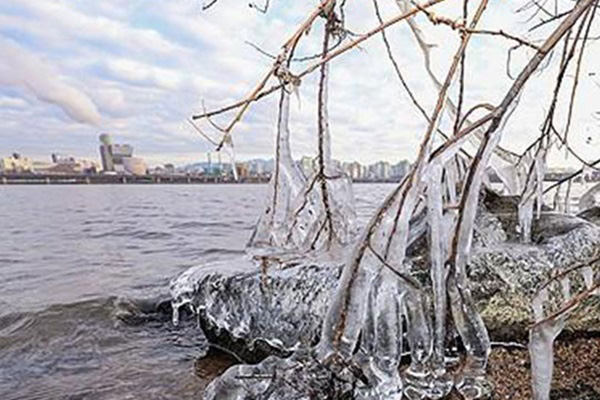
(140, 70)
(266, 164)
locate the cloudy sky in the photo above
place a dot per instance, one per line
(70, 70)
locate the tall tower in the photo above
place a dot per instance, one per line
(106, 152)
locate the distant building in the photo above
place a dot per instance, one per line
(381, 170)
(106, 152)
(353, 169)
(260, 168)
(15, 163)
(66, 165)
(169, 168)
(242, 170)
(307, 165)
(119, 158)
(256, 167)
(134, 166)
(42, 167)
(400, 169)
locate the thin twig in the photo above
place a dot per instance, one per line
(577, 72)
(505, 35)
(204, 135)
(260, 92)
(262, 9)
(461, 81)
(569, 305)
(570, 177)
(566, 272)
(209, 5)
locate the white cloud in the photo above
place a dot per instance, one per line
(141, 73)
(18, 67)
(147, 66)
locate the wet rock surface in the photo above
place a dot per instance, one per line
(591, 214)
(265, 306)
(272, 306)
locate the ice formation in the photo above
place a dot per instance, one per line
(341, 304)
(284, 309)
(305, 214)
(286, 184)
(590, 198)
(551, 305)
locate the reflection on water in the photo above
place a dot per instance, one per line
(84, 276)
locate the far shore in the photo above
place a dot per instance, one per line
(99, 179)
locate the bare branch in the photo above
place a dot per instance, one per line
(208, 5)
(568, 306)
(260, 91)
(262, 9)
(570, 177)
(577, 72)
(506, 35)
(204, 135)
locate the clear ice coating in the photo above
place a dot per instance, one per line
(590, 199)
(305, 214)
(338, 308)
(324, 216)
(287, 183)
(245, 309)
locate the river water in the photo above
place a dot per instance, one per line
(84, 273)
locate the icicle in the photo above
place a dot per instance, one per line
(525, 214)
(557, 205)
(588, 276)
(229, 149)
(441, 383)
(381, 340)
(323, 214)
(451, 170)
(472, 383)
(540, 171)
(175, 316)
(531, 184)
(417, 377)
(541, 341)
(565, 285)
(286, 183)
(567, 207)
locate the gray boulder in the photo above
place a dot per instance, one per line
(274, 305)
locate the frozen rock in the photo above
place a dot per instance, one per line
(590, 199)
(591, 214)
(299, 377)
(269, 305)
(273, 305)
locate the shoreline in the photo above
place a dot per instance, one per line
(101, 179)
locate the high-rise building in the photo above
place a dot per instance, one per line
(381, 170)
(353, 170)
(400, 169)
(119, 158)
(106, 152)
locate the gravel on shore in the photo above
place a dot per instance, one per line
(576, 371)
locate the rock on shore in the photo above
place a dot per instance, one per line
(276, 304)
